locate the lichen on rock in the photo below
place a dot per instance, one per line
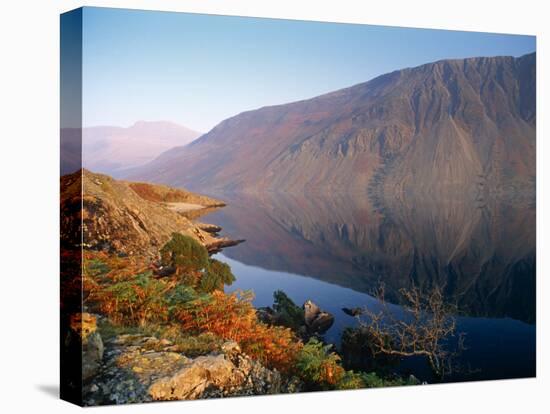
(139, 368)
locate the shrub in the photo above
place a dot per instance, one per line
(179, 295)
(108, 268)
(372, 380)
(225, 315)
(424, 331)
(185, 254)
(134, 301)
(358, 352)
(351, 380)
(318, 366)
(354, 380)
(288, 313)
(215, 277)
(193, 265)
(233, 317)
(274, 346)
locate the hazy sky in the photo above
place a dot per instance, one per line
(197, 70)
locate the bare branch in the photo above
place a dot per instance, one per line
(423, 329)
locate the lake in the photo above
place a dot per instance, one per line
(337, 250)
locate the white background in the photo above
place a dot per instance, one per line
(29, 151)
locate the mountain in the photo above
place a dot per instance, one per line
(110, 149)
(447, 126)
(123, 216)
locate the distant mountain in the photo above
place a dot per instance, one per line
(110, 149)
(452, 125)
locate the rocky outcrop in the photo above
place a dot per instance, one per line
(307, 321)
(164, 194)
(140, 368)
(221, 243)
(209, 228)
(317, 320)
(124, 217)
(229, 373)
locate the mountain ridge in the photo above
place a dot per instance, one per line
(442, 124)
(111, 149)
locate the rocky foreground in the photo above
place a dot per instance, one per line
(136, 368)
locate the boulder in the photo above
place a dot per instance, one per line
(230, 373)
(192, 380)
(316, 320)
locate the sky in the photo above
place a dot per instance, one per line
(197, 70)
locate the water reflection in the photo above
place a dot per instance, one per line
(483, 254)
(336, 250)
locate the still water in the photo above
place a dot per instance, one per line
(336, 250)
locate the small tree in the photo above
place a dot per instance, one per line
(289, 314)
(185, 254)
(217, 275)
(424, 329)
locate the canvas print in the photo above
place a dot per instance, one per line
(260, 206)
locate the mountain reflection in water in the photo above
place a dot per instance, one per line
(336, 250)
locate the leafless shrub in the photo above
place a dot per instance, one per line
(423, 329)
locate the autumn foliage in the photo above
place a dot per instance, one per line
(233, 317)
(125, 290)
(191, 303)
(139, 300)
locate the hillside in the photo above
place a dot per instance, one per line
(110, 149)
(448, 126)
(117, 218)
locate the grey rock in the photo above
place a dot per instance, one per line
(317, 320)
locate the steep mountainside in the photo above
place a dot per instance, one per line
(109, 149)
(117, 217)
(452, 125)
